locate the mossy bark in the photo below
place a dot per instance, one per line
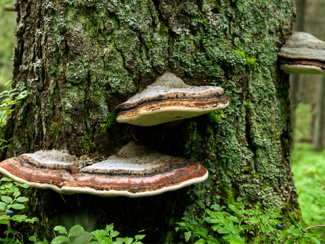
(81, 58)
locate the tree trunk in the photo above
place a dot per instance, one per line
(320, 118)
(79, 59)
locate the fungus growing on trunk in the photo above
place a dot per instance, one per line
(303, 54)
(134, 171)
(169, 99)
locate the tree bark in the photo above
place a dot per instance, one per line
(79, 59)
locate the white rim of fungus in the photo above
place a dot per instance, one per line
(301, 69)
(123, 118)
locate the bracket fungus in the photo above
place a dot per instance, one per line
(134, 171)
(169, 99)
(303, 54)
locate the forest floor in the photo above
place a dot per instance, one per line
(309, 172)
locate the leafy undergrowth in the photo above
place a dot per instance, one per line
(309, 175)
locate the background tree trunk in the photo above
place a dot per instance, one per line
(295, 78)
(79, 59)
(320, 118)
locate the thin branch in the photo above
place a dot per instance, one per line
(63, 198)
(310, 227)
(9, 8)
(288, 198)
(296, 104)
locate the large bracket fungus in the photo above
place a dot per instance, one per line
(169, 99)
(134, 171)
(303, 54)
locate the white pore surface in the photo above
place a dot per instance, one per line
(302, 69)
(51, 157)
(137, 164)
(166, 114)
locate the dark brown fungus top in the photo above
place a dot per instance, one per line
(303, 54)
(133, 172)
(169, 99)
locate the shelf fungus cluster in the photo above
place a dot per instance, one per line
(303, 54)
(134, 171)
(169, 99)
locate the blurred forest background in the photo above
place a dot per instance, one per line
(308, 109)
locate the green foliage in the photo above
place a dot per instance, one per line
(111, 119)
(219, 226)
(309, 176)
(9, 98)
(11, 199)
(55, 130)
(77, 234)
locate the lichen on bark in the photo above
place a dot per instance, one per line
(79, 59)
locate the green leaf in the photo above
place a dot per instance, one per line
(300, 226)
(22, 199)
(253, 220)
(32, 238)
(212, 240)
(276, 209)
(236, 241)
(42, 242)
(17, 206)
(109, 227)
(188, 235)
(290, 241)
(114, 233)
(247, 227)
(216, 207)
(2, 205)
(223, 231)
(201, 241)
(139, 237)
(82, 238)
(201, 204)
(75, 230)
(128, 240)
(16, 194)
(60, 240)
(6, 199)
(24, 185)
(264, 218)
(235, 209)
(226, 214)
(295, 232)
(265, 229)
(6, 179)
(315, 240)
(249, 211)
(60, 229)
(233, 219)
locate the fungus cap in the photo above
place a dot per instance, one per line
(303, 54)
(133, 172)
(169, 99)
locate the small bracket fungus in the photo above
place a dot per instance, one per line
(303, 54)
(169, 99)
(134, 172)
